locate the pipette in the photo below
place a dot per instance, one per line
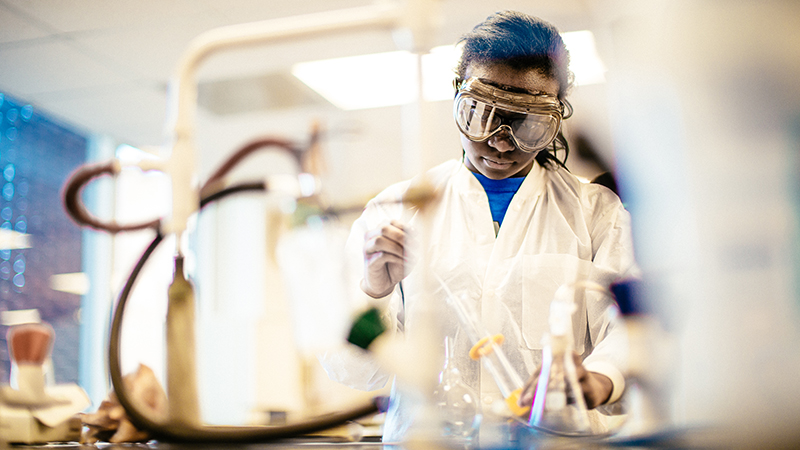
(486, 348)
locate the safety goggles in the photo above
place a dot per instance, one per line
(532, 121)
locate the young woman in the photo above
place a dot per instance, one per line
(509, 227)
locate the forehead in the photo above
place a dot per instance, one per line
(505, 77)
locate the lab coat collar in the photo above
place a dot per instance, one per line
(464, 181)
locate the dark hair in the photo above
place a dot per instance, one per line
(521, 42)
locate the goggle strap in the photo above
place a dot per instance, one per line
(566, 109)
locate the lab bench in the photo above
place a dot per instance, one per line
(667, 439)
(287, 445)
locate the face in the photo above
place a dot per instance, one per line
(498, 157)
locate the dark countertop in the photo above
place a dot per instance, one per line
(154, 445)
(509, 439)
(535, 443)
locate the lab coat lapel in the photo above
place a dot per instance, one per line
(512, 232)
(475, 205)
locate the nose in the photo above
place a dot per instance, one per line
(501, 141)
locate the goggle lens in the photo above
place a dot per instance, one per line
(535, 130)
(479, 120)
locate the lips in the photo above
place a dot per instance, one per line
(496, 164)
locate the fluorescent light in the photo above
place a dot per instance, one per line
(585, 63)
(438, 73)
(366, 81)
(20, 316)
(380, 79)
(73, 283)
(387, 79)
(10, 240)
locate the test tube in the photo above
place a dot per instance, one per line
(486, 348)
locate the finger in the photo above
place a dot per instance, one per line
(380, 244)
(397, 224)
(393, 230)
(585, 381)
(526, 397)
(394, 234)
(386, 238)
(580, 371)
(528, 391)
(380, 258)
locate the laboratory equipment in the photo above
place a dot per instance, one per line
(29, 346)
(183, 406)
(486, 348)
(558, 404)
(31, 411)
(185, 425)
(415, 17)
(458, 404)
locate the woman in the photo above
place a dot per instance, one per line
(509, 226)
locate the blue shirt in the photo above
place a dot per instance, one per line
(500, 193)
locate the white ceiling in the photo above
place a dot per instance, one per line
(103, 66)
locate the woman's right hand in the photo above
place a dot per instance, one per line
(384, 259)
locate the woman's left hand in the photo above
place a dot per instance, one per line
(596, 387)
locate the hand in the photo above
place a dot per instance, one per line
(596, 387)
(384, 259)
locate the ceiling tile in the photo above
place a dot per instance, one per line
(103, 64)
(241, 11)
(15, 27)
(281, 55)
(150, 50)
(69, 15)
(50, 66)
(278, 90)
(138, 116)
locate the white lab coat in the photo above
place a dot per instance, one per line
(557, 230)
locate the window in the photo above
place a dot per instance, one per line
(36, 156)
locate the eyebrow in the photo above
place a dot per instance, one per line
(514, 89)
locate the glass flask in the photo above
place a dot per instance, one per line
(456, 403)
(558, 404)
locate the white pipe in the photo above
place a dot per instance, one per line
(183, 89)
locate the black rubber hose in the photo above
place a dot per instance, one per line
(237, 157)
(232, 434)
(254, 186)
(85, 174)
(76, 209)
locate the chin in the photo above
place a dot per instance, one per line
(498, 175)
